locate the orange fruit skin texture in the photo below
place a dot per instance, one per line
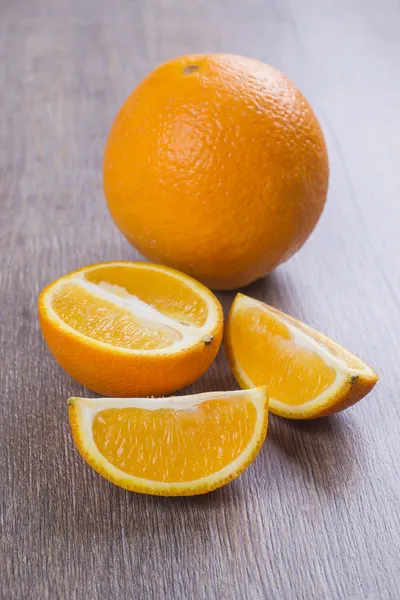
(216, 165)
(121, 375)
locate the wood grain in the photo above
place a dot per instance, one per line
(318, 514)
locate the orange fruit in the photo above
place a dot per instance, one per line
(307, 374)
(216, 165)
(171, 446)
(131, 329)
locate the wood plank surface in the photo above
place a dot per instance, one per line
(318, 513)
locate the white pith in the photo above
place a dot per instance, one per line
(190, 335)
(88, 408)
(343, 371)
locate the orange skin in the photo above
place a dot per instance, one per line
(216, 165)
(116, 374)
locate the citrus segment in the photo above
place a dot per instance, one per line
(307, 374)
(171, 446)
(127, 329)
(126, 438)
(284, 362)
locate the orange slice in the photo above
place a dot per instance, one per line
(178, 446)
(307, 374)
(131, 329)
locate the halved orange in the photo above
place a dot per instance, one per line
(177, 446)
(131, 329)
(307, 374)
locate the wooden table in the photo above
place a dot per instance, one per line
(317, 515)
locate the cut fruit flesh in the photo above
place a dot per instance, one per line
(307, 374)
(107, 306)
(181, 445)
(111, 321)
(119, 328)
(178, 301)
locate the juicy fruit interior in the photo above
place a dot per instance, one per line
(166, 293)
(104, 320)
(167, 445)
(268, 354)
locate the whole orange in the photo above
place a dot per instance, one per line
(216, 165)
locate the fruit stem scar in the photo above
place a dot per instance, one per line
(208, 339)
(189, 69)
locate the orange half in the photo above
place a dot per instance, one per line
(177, 446)
(307, 374)
(131, 329)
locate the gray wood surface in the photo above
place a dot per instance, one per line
(317, 514)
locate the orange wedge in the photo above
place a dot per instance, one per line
(131, 329)
(307, 374)
(178, 446)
